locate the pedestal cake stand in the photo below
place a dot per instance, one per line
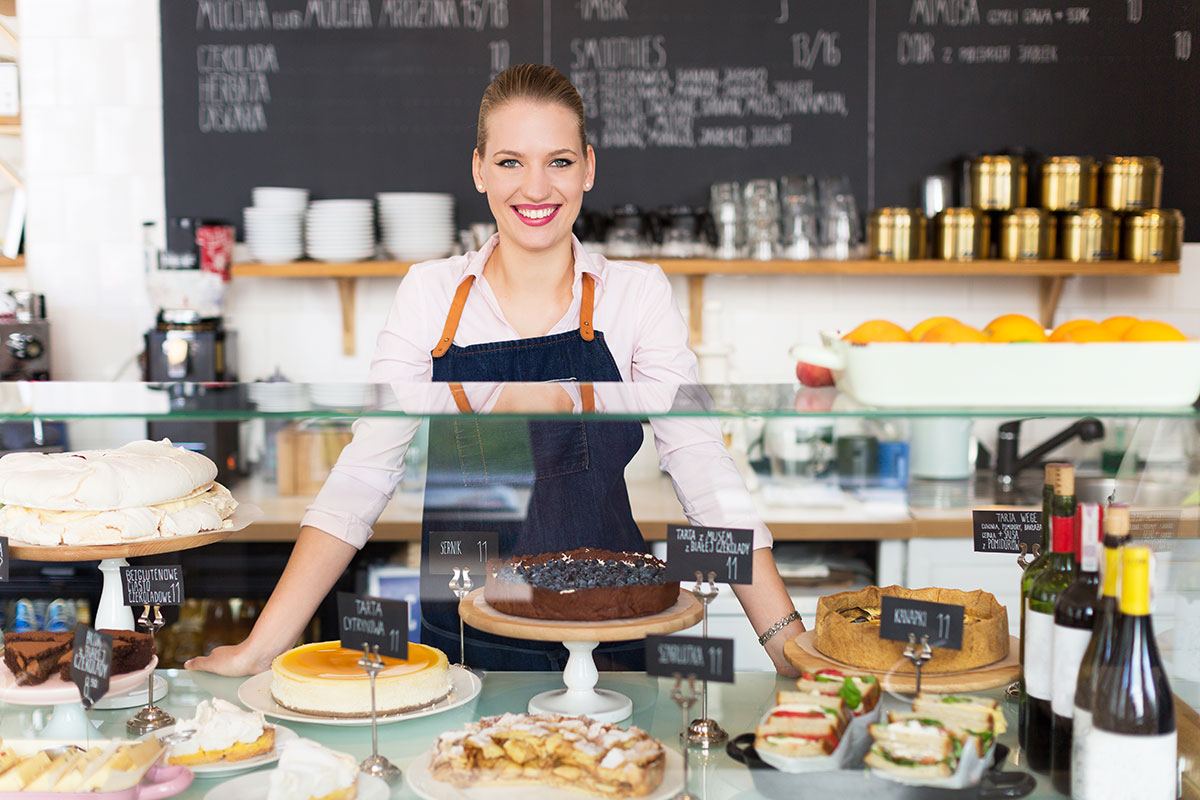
(580, 638)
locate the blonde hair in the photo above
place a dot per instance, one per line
(537, 82)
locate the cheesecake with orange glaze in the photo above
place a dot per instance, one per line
(324, 679)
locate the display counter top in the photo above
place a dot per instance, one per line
(714, 777)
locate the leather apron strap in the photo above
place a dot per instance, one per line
(586, 305)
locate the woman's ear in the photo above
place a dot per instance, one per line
(477, 171)
(589, 179)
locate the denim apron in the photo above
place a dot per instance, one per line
(572, 472)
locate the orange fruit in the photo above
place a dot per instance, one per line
(953, 331)
(1151, 330)
(1060, 333)
(1094, 332)
(1118, 325)
(877, 330)
(1015, 328)
(919, 329)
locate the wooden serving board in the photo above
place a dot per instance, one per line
(93, 552)
(801, 653)
(476, 612)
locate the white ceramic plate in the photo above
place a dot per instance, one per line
(56, 690)
(282, 737)
(422, 782)
(255, 786)
(255, 693)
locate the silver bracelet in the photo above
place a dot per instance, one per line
(778, 626)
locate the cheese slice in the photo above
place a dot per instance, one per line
(24, 773)
(52, 773)
(70, 780)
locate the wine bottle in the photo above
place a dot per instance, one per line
(1074, 618)
(1100, 648)
(1132, 745)
(1039, 622)
(1035, 568)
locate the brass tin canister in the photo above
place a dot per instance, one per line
(1069, 182)
(896, 234)
(1089, 234)
(1027, 234)
(1131, 183)
(961, 234)
(998, 183)
(1152, 235)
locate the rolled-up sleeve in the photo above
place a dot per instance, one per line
(690, 449)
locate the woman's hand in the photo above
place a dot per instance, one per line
(774, 648)
(233, 661)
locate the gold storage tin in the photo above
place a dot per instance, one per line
(961, 234)
(1027, 234)
(1069, 182)
(1089, 234)
(1152, 235)
(896, 234)
(999, 183)
(1131, 183)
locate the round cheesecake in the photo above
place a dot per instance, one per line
(324, 679)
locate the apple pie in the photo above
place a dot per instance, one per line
(575, 753)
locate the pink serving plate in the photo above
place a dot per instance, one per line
(55, 690)
(159, 782)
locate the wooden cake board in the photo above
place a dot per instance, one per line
(580, 697)
(801, 654)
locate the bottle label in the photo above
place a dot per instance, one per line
(1063, 535)
(1111, 758)
(1069, 646)
(1039, 654)
(1081, 767)
(1090, 515)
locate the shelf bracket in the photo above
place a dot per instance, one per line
(1050, 289)
(346, 295)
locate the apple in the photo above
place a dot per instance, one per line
(812, 375)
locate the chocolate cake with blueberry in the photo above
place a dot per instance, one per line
(584, 585)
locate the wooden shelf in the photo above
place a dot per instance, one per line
(1051, 276)
(12, 263)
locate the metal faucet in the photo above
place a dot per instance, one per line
(1009, 464)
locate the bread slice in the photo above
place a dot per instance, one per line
(825, 701)
(961, 727)
(964, 706)
(794, 745)
(73, 776)
(58, 767)
(877, 759)
(861, 692)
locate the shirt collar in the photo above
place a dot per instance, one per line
(584, 261)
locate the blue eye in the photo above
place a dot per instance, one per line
(508, 162)
(561, 162)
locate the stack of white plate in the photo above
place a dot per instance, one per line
(416, 226)
(340, 230)
(279, 396)
(274, 225)
(340, 395)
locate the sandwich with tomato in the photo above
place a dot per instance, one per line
(914, 748)
(860, 692)
(801, 729)
(962, 715)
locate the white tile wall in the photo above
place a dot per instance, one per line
(91, 87)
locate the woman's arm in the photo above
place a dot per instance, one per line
(765, 602)
(317, 561)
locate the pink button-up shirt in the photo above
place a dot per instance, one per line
(633, 308)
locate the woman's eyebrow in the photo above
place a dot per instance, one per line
(563, 151)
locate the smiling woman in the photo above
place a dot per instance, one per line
(530, 306)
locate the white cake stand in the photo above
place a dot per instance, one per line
(580, 695)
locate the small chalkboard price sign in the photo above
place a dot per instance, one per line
(706, 659)
(153, 585)
(450, 550)
(91, 663)
(729, 553)
(999, 531)
(3, 558)
(941, 622)
(375, 622)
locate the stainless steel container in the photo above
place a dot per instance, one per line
(1131, 183)
(961, 234)
(1068, 182)
(999, 183)
(1027, 234)
(896, 234)
(1089, 234)
(1152, 235)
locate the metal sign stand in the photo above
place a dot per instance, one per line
(684, 699)
(375, 764)
(150, 718)
(461, 584)
(705, 732)
(918, 654)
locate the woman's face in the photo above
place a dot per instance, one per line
(534, 173)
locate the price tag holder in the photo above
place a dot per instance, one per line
(941, 622)
(374, 621)
(3, 558)
(706, 659)
(727, 552)
(152, 586)
(1005, 531)
(458, 549)
(91, 663)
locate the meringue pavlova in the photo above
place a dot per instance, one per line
(220, 731)
(144, 490)
(308, 771)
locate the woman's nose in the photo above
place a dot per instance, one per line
(536, 185)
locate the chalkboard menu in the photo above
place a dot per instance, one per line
(353, 97)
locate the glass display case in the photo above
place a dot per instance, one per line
(852, 496)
